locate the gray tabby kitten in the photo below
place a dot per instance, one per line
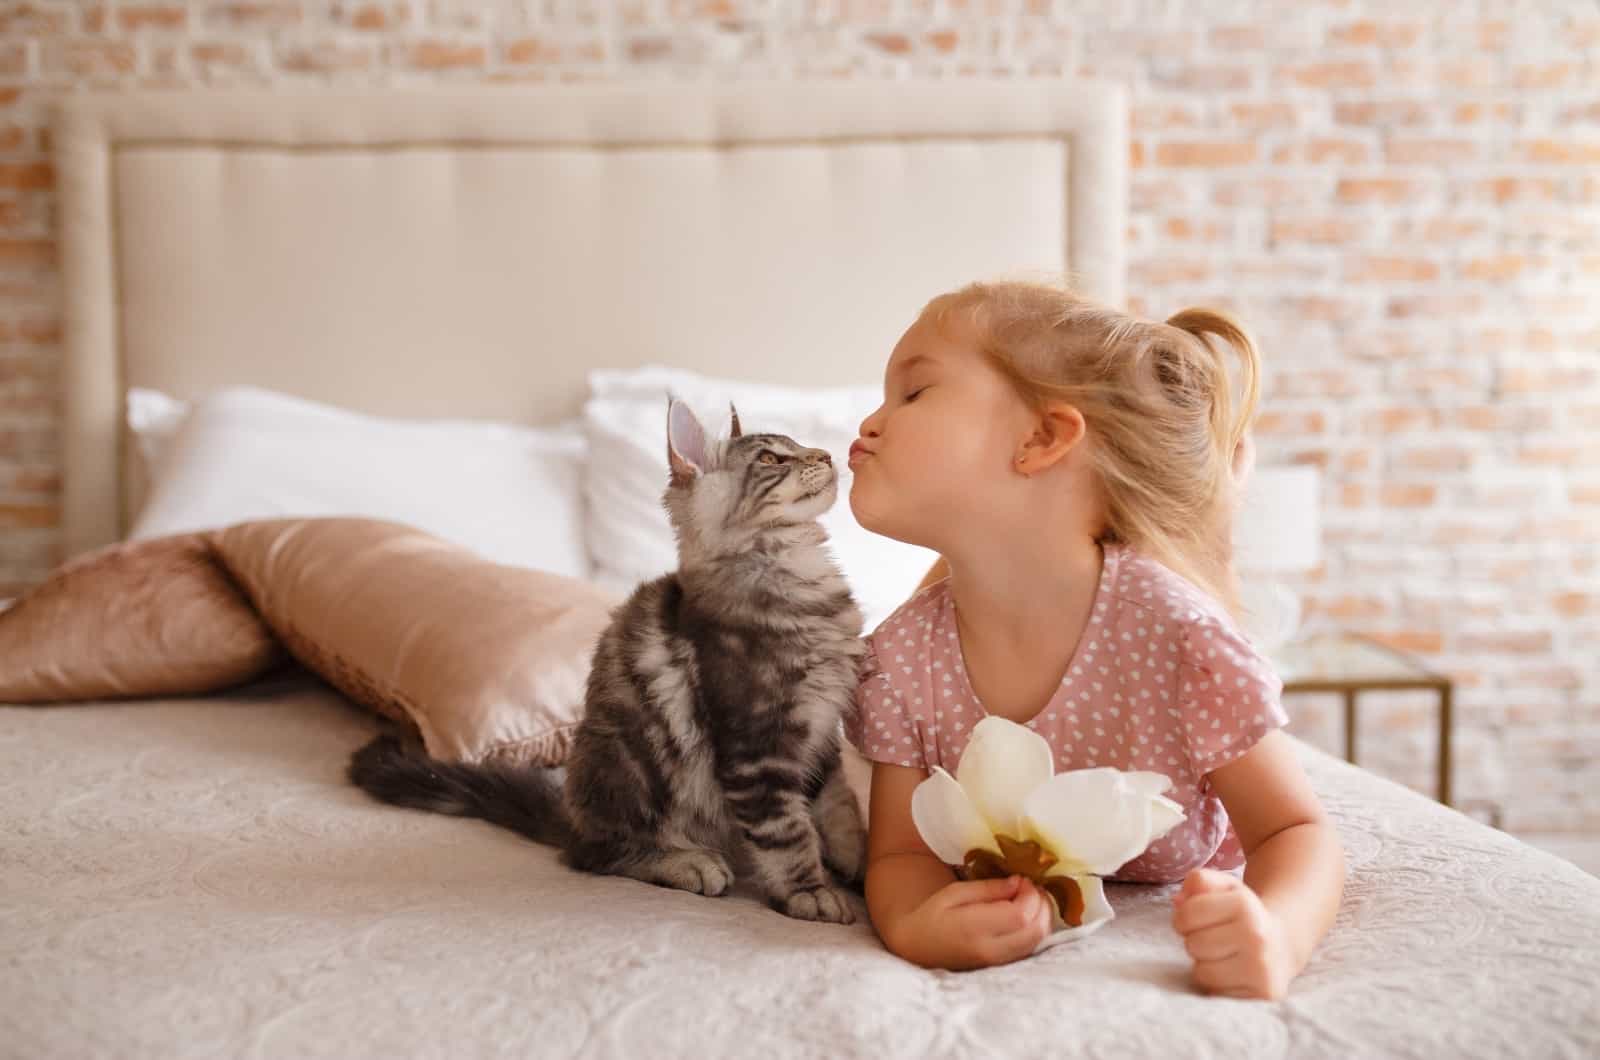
(711, 724)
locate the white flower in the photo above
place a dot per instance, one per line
(1007, 811)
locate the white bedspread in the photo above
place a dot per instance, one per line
(195, 878)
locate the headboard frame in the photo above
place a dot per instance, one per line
(475, 252)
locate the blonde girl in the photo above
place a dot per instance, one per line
(1076, 468)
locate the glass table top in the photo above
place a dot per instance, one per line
(1346, 657)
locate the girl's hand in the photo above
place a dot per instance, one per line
(1239, 946)
(976, 924)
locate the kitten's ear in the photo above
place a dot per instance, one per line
(735, 432)
(686, 442)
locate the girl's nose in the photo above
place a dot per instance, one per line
(869, 426)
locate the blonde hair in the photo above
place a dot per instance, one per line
(1159, 403)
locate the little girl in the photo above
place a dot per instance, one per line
(1076, 469)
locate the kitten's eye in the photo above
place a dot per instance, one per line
(769, 458)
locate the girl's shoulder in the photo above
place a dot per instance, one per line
(1146, 585)
(1185, 631)
(912, 640)
(922, 611)
(1155, 599)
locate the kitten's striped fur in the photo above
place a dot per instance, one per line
(710, 734)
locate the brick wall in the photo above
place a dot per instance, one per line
(1402, 199)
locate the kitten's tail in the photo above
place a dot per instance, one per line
(527, 801)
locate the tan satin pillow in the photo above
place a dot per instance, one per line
(150, 618)
(487, 662)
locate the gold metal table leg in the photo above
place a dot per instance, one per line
(1446, 695)
(1350, 725)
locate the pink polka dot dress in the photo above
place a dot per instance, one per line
(1162, 679)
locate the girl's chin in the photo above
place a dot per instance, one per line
(861, 509)
(855, 504)
(874, 523)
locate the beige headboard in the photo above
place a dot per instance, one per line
(475, 253)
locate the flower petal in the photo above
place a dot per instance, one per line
(947, 820)
(1002, 764)
(1092, 819)
(1097, 913)
(1095, 907)
(1147, 782)
(1165, 815)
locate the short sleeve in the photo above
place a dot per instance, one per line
(880, 727)
(1230, 695)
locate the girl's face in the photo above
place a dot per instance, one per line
(936, 457)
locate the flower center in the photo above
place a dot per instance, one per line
(1028, 859)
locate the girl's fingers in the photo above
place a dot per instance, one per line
(1047, 914)
(1207, 881)
(1015, 945)
(1000, 932)
(1213, 943)
(983, 920)
(1042, 910)
(1228, 976)
(1028, 898)
(1204, 911)
(969, 892)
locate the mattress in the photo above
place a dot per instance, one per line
(196, 878)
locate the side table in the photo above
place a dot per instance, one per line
(1349, 664)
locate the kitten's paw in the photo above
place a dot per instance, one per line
(699, 871)
(817, 903)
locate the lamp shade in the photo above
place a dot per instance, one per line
(1279, 524)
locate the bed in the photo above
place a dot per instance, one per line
(194, 877)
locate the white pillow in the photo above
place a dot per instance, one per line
(153, 419)
(511, 493)
(630, 539)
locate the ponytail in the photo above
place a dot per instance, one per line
(1231, 415)
(1228, 426)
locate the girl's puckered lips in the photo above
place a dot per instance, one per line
(858, 452)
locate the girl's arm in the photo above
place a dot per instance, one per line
(1250, 939)
(919, 908)
(902, 872)
(1293, 858)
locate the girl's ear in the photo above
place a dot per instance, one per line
(1059, 428)
(686, 443)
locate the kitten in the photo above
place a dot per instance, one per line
(711, 725)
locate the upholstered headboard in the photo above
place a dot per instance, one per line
(475, 253)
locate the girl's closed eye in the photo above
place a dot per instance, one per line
(912, 396)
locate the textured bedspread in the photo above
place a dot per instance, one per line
(195, 878)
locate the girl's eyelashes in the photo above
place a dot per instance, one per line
(912, 396)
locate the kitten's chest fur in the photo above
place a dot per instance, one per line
(777, 643)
